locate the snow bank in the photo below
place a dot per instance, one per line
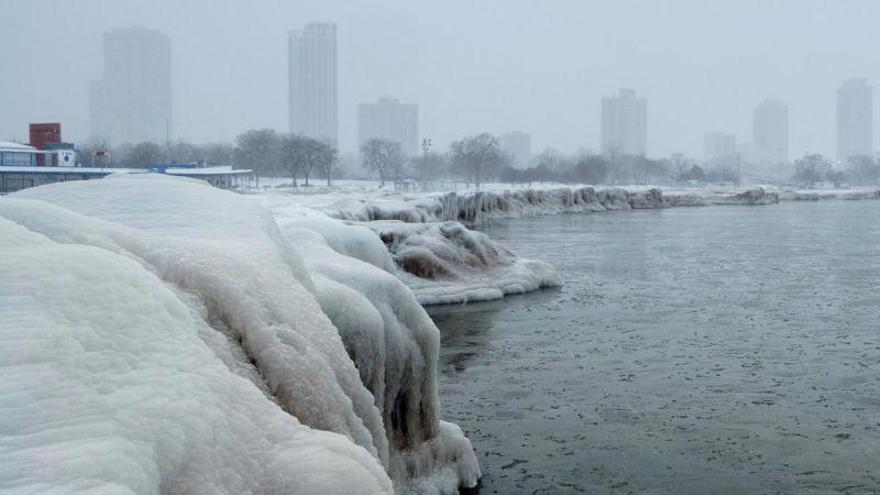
(252, 308)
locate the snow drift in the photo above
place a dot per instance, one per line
(189, 345)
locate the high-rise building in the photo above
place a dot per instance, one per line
(770, 130)
(313, 84)
(132, 101)
(517, 145)
(719, 149)
(392, 120)
(855, 119)
(624, 124)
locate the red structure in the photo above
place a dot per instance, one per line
(43, 134)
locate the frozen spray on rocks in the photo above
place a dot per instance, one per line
(182, 331)
(443, 261)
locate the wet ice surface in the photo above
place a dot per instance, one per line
(707, 350)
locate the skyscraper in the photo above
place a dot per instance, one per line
(132, 101)
(624, 124)
(313, 98)
(719, 149)
(518, 145)
(855, 119)
(392, 120)
(770, 130)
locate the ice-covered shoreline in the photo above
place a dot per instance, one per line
(444, 262)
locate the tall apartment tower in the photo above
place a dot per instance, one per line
(624, 124)
(132, 101)
(719, 149)
(517, 145)
(855, 119)
(392, 120)
(313, 84)
(770, 130)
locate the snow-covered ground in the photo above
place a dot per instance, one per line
(161, 335)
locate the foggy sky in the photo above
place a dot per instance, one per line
(541, 67)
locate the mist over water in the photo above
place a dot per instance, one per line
(708, 350)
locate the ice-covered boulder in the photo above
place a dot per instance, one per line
(646, 199)
(756, 196)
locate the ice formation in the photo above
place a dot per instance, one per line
(441, 262)
(163, 335)
(447, 263)
(472, 208)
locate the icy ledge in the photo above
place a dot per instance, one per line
(161, 335)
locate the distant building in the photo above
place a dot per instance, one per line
(517, 145)
(624, 124)
(132, 101)
(392, 120)
(770, 131)
(719, 149)
(313, 83)
(855, 119)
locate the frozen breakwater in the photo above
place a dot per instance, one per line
(474, 207)
(161, 335)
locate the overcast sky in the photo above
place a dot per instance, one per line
(472, 66)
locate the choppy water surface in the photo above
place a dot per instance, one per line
(703, 350)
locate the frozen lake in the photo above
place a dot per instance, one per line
(701, 350)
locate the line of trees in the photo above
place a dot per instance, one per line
(815, 168)
(474, 159)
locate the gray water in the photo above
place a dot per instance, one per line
(691, 350)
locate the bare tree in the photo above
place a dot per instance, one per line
(144, 155)
(327, 161)
(382, 156)
(218, 153)
(476, 156)
(811, 169)
(300, 156)
(258, 149)
(291, 157)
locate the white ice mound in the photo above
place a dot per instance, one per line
(442, 263)
(447, 263)
(108, 387)
(260, 308)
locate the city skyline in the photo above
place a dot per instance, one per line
(555, 97)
